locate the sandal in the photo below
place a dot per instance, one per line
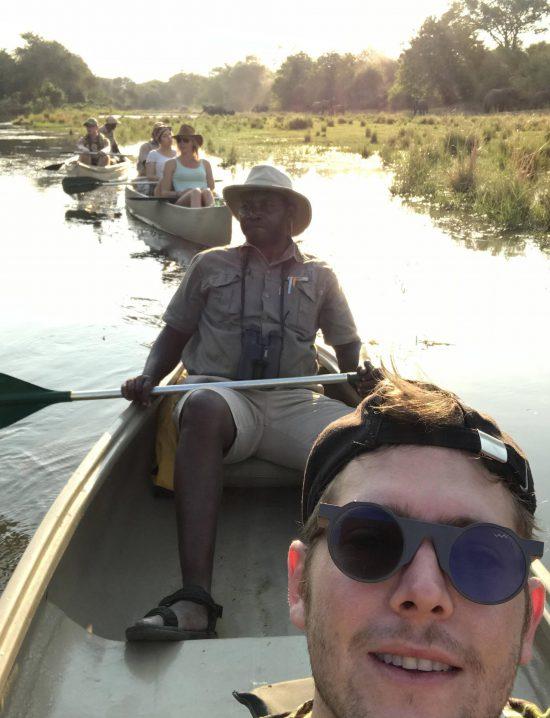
(170, 630)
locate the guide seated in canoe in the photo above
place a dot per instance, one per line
(187, 179)
(245, 312)
(94, 147)
(157, 158)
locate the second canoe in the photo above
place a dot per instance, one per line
(207, 226)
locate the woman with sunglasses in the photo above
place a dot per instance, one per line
(187, 179)
(157, 158)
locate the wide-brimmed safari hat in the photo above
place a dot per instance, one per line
(188, 131)
(91, 122)
(265, 177)
(111, 120)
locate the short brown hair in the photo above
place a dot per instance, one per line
(420, 403)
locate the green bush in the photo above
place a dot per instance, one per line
(299, 123)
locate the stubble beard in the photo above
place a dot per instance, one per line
(344, 696)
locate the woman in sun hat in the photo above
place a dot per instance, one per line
(187, 179)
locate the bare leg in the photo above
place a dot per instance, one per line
(192, 198)
(103, 161)
(207, 198)
(85, 159)
(207, 432)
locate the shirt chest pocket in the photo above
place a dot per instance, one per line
(303, 303)
(223, 302)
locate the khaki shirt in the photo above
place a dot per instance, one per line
(304, 711)
(207, 305)
(513, 709)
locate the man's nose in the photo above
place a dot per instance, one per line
(423, 591)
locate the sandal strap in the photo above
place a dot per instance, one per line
(167, 615)
(196, 594)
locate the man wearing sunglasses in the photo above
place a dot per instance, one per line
(411, 580)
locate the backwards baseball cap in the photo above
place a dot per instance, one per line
(368, 428)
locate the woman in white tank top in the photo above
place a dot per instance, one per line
(157, 158)
(186, 178)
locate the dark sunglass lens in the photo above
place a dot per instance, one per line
(367, 543)
(487, 565)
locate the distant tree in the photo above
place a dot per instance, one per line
(292, 83)
(538, 66)
(40, 60)
(333, 77)
(187, 89)
(7, 73)
(506, 20)
(52, 95)
(442, 61)
(247, 84)
(368, 89)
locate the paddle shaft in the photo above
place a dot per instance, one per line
(278, 383)
(19, 398)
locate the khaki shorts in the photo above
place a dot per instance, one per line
(279, 425)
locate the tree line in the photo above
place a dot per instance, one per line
(447, 63)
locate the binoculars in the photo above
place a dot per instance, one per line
(260, 357)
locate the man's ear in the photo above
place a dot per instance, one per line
(296, 559)
(537, 593)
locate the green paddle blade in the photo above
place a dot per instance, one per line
(19, 399)
(54, 167)
(76, 185)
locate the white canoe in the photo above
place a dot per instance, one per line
(106, 552)
(207, 226)
(111, 172)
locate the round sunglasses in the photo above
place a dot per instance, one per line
(486, 563)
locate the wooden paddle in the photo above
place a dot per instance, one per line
(77, 185)
(58, 165)
(19, 399)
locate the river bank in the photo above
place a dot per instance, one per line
(495, 168)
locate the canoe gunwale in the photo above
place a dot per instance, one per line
(81, 169)
(40, 559)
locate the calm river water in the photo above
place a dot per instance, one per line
(83, 286)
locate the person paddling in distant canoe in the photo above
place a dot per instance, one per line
(146, 147)
(187, 179)
(108, 129)
(156, 159)
(244, 312)
(94, 147)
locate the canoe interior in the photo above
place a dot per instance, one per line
(123, 558)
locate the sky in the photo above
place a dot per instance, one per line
(146, 41)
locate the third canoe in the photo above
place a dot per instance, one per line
(105, 174)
